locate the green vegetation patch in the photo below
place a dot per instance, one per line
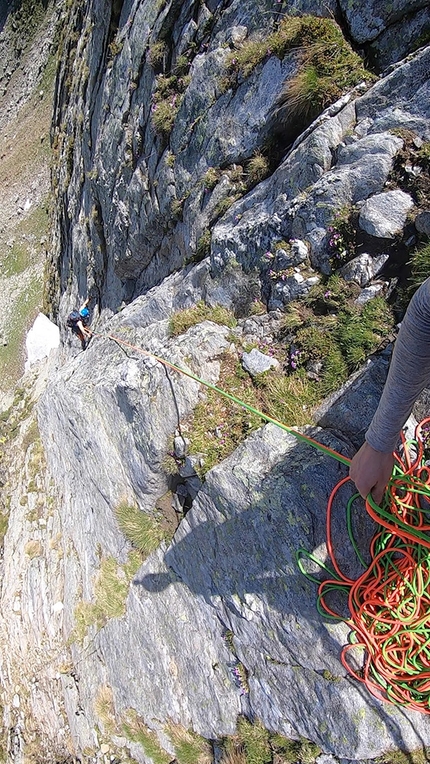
(420, 266)
(157, 53)
(135, 729)
(257, 168)
(110, 590)
(253, 744)
(324, 338)
(27, 16)
(343, 236)
(419, 756)
(289, 398)
(254, 738)
(31, 229)
(24, 312)
(143, 530)
(218, 425)
(4, 522)
(167, 97)
(181, 321)
(189, 747)
(336, 331)
(416, 154)
(290, 751)
(203, 247)
(327, 64)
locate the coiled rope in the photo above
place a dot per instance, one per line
(389, 604)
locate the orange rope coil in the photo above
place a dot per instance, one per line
(389, 604)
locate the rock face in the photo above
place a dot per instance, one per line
(370, 19)
(152, 218)
(230, 568)
(224, 609)
(137, 198)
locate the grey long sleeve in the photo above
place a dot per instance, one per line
(408, 375)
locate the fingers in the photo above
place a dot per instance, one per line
(371, 470)
(377, 492)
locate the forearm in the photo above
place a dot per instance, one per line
(408, 374)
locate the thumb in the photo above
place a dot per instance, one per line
(377, 492)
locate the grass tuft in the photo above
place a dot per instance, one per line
(181, 321)
(111, 590)
(290, 399)
(142, 530)
(211, 177)
(419, 756)
(255, 740)
(163, 115)
(327, 65)
(420, 267)
(257, 168)
(104, 708)
(189, 747)
(218, 425)
(292, 751)
(203, 246)
(33, 549)
(233, 752)
(157, 52)
(135, 729)
(327, 68)
(166, 100)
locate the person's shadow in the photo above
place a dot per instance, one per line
(237, 546)
(237, 549)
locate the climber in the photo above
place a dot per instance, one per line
(408, 375)
(78, 321)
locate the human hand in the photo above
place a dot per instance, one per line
(371, 470)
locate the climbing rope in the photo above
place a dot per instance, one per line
(389, 604)
(299, 435)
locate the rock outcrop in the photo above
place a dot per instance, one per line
(139, 195)
(155, 216)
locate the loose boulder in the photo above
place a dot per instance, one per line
(384, 215)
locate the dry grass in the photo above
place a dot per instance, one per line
(257, 168)
(142, 530)
(104, 708)
(135, 729)
(33, 548)
(255, 740)
(190, 748)
(111, 590)
(233, 752)
(181, 321)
